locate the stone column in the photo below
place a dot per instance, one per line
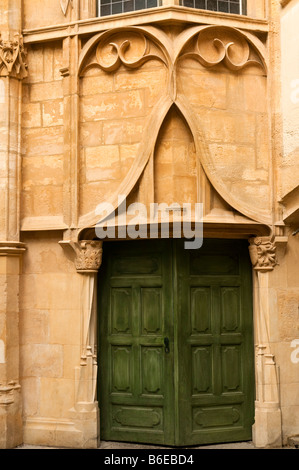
(267, 426)
(12, 71)
(86, 411)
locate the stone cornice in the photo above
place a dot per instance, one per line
(167, 14)
(12, 248)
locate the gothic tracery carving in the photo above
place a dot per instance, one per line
(131, 50)
(216, 45)
(12, 57)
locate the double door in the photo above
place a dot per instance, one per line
(175, 342)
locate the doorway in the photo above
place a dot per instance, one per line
(176, 358)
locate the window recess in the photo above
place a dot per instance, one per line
(114, 7)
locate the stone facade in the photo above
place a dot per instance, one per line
(170, 104)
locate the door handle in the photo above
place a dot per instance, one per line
(166, 345)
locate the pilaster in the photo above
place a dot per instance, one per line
(11, 433)
(12, 70)
(267, 427)
(85, 414)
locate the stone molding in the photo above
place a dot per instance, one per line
(262, 252)
(12, 248)
(7, 393)
(13, 57)
(165, 13)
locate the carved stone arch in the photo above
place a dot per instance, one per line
(235, 50)
(249, 40)
(146, 149)
(117, 48)
(155, 35)
(147, 146)
(170, 53)
(203, 153)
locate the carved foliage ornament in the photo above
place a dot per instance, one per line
(262, 252)
(89, 256)
(12, 57)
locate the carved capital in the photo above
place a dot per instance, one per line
(12, 57)
(86, 254)
(262, 252)
(89, 256)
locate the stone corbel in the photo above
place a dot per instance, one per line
(262, 251)
(12, 57)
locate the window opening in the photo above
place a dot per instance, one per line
(114, 7)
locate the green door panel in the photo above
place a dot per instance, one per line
(136, 375)
(215, 343)
(175, 342)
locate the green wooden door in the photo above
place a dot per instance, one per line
(175, 342)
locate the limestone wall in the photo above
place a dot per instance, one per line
(289, 166)
(42, 133)
(50, 338)
(284, 333)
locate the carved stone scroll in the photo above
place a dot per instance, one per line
(130, 49)
(12, 57)
(262, 252)
(217, 45)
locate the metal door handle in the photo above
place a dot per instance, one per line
(166, 345)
